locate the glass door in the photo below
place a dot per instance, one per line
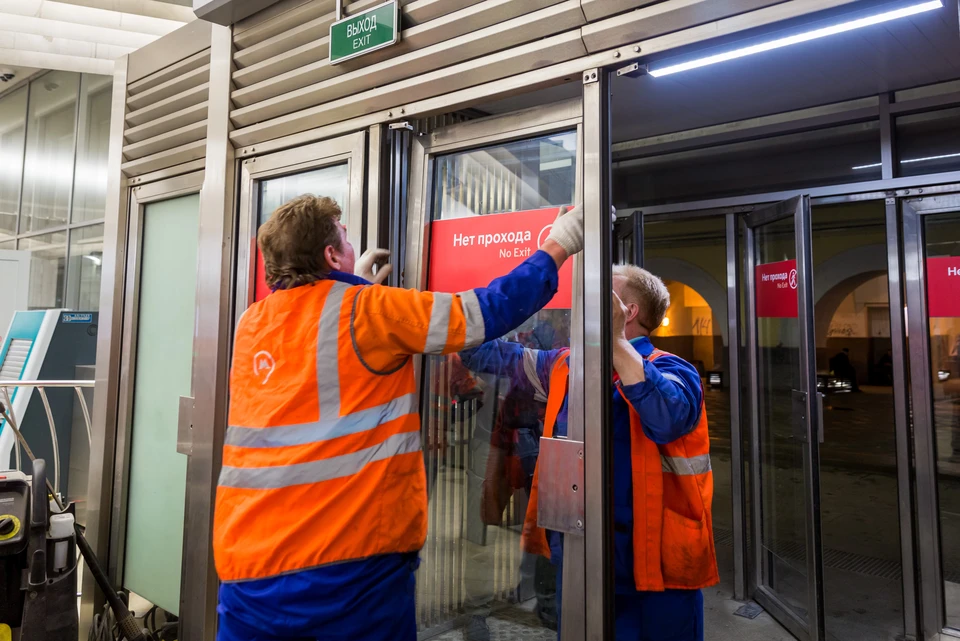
(332, 168)
(155, 375)
(784, 408)
(931, 237)
(498, 182)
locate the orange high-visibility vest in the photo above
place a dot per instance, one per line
(322, 460)
(673, 545)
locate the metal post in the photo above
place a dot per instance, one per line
(339, 10)
(596, 385)
(808, 368)
(636, 219)
(198, 591)
(924, 434)
(902, 418)
(888, 139)
(107, 371)
(736, 428)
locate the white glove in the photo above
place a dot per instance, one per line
(364, 265)
(567, 230)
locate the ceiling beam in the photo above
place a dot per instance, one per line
(67, 30)
(56, 61)
(147, 8)
(89, 17)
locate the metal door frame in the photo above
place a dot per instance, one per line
(932, 619)
(140, 197)
(551, 118)
(799, 208)
(350, 149)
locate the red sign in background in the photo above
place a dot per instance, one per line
(776, 289)
(943, 287)
(466, 253)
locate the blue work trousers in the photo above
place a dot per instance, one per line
(673, 615)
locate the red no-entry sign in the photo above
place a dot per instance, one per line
(776, 289)
(470, 252)
(943, 286)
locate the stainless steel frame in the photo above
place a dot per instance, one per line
(932, 617)
(350, 149)
(596, 387)
(547, 119)
(107, 371)
(139, 198)
(798, 208)
(215, 254)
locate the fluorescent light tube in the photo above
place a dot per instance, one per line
(911, 160)
(800, 37)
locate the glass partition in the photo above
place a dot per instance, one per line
(481, 426)
(13, 111)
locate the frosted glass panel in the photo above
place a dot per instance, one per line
(168, 277)
(48, 170)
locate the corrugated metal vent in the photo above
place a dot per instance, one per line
(15, 360)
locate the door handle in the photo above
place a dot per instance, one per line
(820, 397)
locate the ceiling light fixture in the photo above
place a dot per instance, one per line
(911, 160)
(800, 37)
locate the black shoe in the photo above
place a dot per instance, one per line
(477, 629)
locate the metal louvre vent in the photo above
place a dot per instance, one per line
(15, 360)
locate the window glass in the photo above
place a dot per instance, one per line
(836, 155)
(90, 178)
(48, 170)
(13, 114)
(482, 423)
(928, 143)
(86, 257)
(521, 175)
(48, 261)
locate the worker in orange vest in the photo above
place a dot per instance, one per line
(663, 483)
(321, 506)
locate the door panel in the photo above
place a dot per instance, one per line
(784, 408)
(332, 168)
(932, 265)
(481, 427)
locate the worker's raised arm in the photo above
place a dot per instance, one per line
(522, 366)
(391, 324)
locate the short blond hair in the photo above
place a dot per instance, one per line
(647, 291)
(293, 241)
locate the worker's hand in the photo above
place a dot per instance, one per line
(619, 316)
(366, 262)
(567, 230)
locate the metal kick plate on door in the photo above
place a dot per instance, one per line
(560, 505)
(799, 415)
(185, 426)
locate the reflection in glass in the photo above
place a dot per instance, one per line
(691, 257)
(90, 181)
(481, 431)
(48, 169)
(858, 456)
(516, 176)
(929, 142)
(86, 257)
(333, 182)
(783, 504)
(942, 234)
(13, 115)
(48, 261)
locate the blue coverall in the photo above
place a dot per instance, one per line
(669, 402)
(370, 599)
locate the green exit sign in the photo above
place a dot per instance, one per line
(364, 32)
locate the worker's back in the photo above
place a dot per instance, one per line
(322, 460)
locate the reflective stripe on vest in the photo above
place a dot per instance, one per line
(331, 425)
(690, 466)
